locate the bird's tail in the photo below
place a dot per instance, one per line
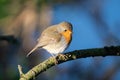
(35, 48)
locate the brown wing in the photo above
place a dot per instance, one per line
(49, 36)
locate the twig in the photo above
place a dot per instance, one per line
(20, 70)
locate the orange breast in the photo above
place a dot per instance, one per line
(67, 35)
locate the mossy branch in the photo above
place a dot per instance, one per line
(77, 54)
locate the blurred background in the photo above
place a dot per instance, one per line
(96, 23)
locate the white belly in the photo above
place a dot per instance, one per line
(53, 49)
(56, 48)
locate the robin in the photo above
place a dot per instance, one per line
(55, 39)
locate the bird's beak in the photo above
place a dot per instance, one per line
(69, 31)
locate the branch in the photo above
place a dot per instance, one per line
(77, 54)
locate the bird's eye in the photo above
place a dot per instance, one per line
(65, 30)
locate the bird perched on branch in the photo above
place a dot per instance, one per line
(55, 39)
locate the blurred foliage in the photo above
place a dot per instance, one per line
(3, 6)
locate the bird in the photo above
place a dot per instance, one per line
(55, 39)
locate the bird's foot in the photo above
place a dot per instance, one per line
(62, 56)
